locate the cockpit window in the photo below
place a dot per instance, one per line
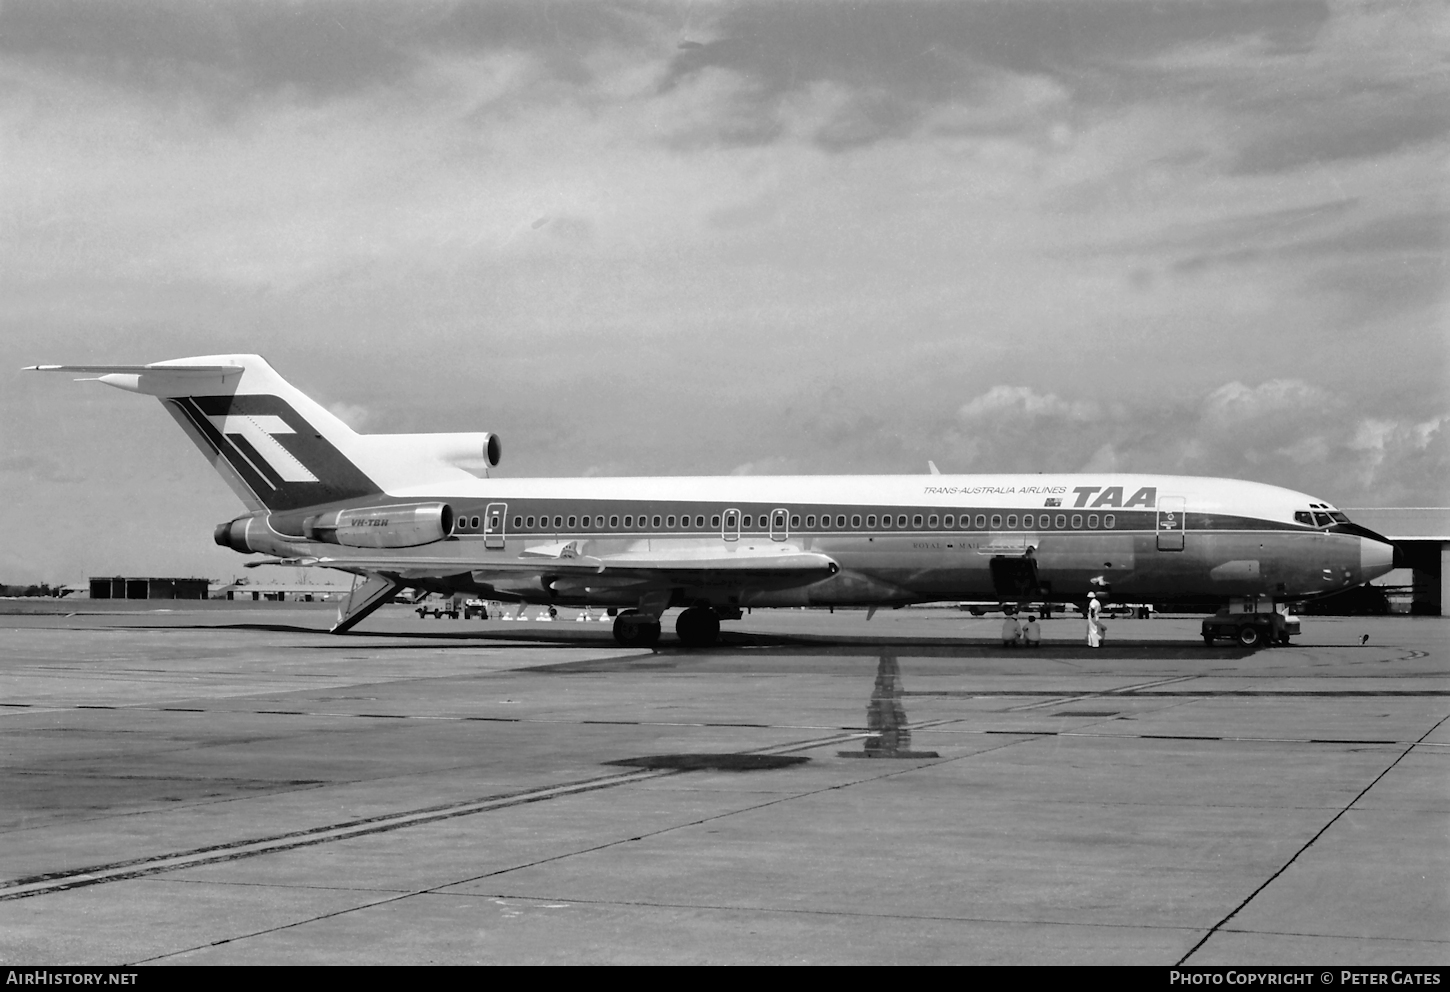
(1323, 519)
(1303, 517)
(1339, 518)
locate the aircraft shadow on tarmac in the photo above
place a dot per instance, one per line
(733, 641)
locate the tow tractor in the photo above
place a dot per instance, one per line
(1252, 622)
(448, 608)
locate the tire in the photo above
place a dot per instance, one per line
(1249, 635)
(698, 627)
(1208, 639)
(633, 629)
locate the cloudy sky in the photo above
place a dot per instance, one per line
(692, 238)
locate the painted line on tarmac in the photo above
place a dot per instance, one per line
(1061, 700)
(116, 871)
(1196, 737)
(35, 885)
(1307, 844)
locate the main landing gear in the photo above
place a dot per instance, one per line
(697, 627)
(633, 629)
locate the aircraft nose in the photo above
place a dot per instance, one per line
(1375, 558)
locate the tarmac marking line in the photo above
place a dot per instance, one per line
(1307, 844)
(116, 871)
(139, 867)
(1121, 690)
(816, 912)
(435, 889)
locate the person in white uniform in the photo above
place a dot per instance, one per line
(1094, 632)
(1011, 631)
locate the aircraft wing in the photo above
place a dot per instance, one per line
(784, 565)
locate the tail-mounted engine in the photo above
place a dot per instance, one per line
(406, 525)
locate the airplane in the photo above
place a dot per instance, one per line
(422, 511)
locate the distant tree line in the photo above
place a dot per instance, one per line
(44, 589)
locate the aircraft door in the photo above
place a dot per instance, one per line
(495, 520)
(730, 525)
(779, 524)
(1172, 523)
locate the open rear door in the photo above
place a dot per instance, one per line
(1015, 577)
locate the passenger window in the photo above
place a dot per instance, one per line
(1109, 521)
(856, 521)
(700, 522)
(1061, 521)
(475, 523)
(981, 521)
(558, 522)
(670, 522)
(614, 520)
(517, 522)
(745, 521)
(628, 523)
(1092, 521)
(810, 520)
(1076, 521)
(901, 520)
(930, 521)
(871, 521)
(996, 520)
(715, 520)
(573, 522)
(729, 520)
(656, 522)
(1012, 520)
(916, 521)
(840, 521)
(795, 521)
(949, 520)
(779, 520)
(530, 523)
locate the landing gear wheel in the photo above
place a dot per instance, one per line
(698, 627)
(1249, 636)
(633, 629)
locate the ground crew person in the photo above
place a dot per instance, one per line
(1011, 631)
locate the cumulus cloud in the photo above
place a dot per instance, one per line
(354, 415)
(1283, 431)
(1021, 401)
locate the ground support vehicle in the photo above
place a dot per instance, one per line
(447, 609)
(475, 608)
(1249, 629)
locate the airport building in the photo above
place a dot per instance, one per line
(1422, 533)
(129, 587)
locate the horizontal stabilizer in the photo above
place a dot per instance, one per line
(179, 370)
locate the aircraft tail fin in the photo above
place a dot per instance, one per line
(277, 447)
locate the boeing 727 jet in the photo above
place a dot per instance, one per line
(419, 510)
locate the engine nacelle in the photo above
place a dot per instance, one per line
(237, 534)
(403, 526)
